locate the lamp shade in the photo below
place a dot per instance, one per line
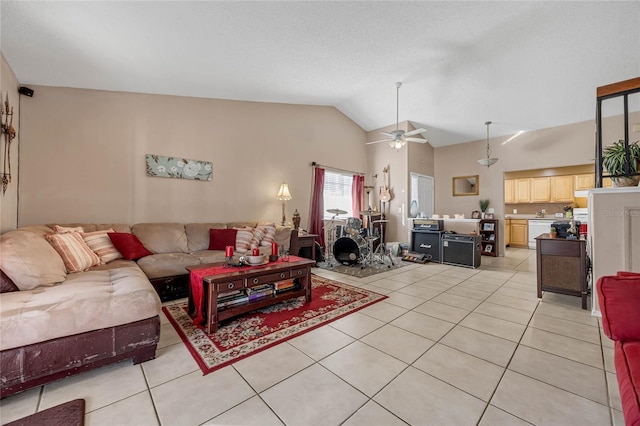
(283, 193)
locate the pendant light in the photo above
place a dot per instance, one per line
(487, 161)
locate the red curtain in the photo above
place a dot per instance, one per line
(357, 195)
(316, 224)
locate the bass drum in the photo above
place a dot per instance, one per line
(348, 250)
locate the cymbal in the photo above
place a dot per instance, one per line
(381, 221)
(336, 211)
(369, 213)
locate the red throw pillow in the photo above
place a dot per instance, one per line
(219, 239)
(128, 245)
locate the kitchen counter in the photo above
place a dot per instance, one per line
(548, 216)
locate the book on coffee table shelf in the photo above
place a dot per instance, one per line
(286, 285)
(260, 291)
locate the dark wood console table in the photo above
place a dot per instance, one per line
(562, 266)
(299, 241)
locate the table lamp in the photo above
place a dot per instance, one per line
(283, 195)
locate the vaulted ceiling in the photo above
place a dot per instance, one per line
(523, 65)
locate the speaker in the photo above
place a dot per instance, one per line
(23, 90)
(427, 242)
(461, 250)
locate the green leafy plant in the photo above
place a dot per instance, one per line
(483, 205)
(614, 157)
(553, 230)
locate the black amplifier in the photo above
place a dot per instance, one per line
(462, 250)
(428, 224)
(427, 242)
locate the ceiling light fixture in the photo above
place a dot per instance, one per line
(487, 161)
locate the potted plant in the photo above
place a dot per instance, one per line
(613, 160)
(553, 233)
(483, 206)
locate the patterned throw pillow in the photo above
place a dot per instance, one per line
(101, 244)
(128, 245)
(64, 229)
(269, 230)
(76, 255)
(243, 239)
(219, 239)
(256, 237)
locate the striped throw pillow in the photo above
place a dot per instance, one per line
(269, 230)
(256, 237)
(76, 255)
(101, 244)
(243, 239)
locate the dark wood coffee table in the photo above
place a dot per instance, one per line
(243, 278)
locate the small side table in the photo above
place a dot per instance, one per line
(299, 241)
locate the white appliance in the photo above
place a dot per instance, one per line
(537, 227)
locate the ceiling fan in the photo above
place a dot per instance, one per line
(398, 137)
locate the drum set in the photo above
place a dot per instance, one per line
(349, 243)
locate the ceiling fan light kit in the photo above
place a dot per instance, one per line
(398, 138)
(487, 161)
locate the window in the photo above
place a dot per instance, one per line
(337, 192)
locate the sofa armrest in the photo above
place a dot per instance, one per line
(619, 299)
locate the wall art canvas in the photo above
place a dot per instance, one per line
(178, 168)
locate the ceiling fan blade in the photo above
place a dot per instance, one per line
(415, 132)
(381, 140)
(387, 134)
(419, 140)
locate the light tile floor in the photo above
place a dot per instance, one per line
(450, 346)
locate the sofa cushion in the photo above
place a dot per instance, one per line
(128, 245)
(241, 224)
(90, 227)
(198, 234)
(219, 239)
(162, 237)
(59, 229)
(618, 298)
(75, 253)
(209, 256)
(29, 260)
(627, 362)
(167, 264)
(84, 302)
(118, 263)
(101, 244)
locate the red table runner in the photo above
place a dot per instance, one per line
(197, 288)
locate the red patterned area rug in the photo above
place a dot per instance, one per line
(258, 330)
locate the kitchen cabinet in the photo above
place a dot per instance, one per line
(522, 190)
(540, 190)
(509, 191)
(584, 182)
(519, 233)
(562, 189)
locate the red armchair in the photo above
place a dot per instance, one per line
(619, 298)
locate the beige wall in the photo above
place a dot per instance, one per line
(83, 157)
(567, 145)
(9, 201)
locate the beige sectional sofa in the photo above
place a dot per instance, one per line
(54, 324)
